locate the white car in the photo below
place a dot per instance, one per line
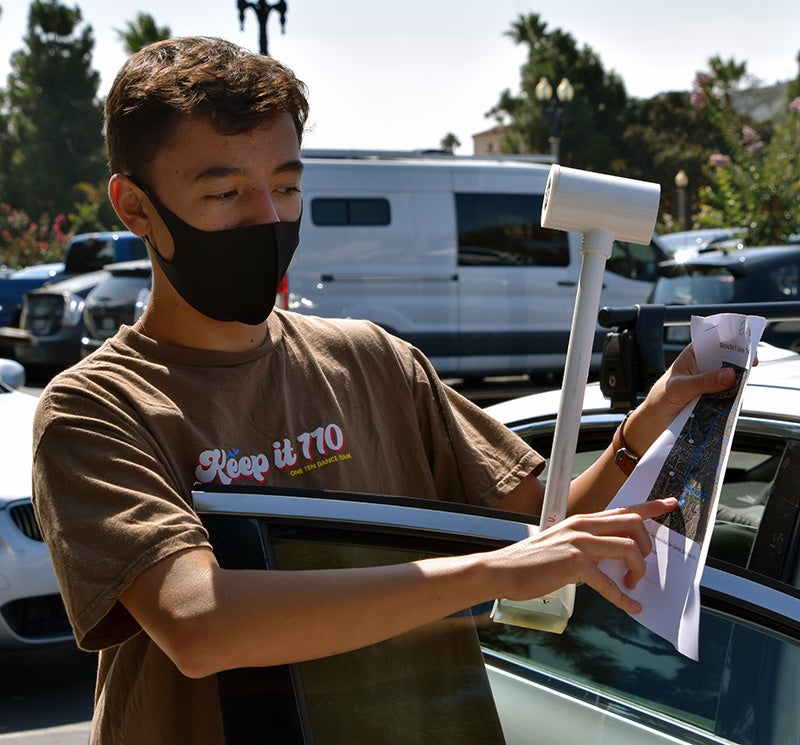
(31, 610)
(606, 680)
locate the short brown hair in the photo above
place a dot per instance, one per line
(232, 88)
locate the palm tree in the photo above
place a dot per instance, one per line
(140, 32)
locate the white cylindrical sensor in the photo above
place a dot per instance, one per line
(581, 201)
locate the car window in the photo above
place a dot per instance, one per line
(709, 286)
(428, 685)
(756, 468)
(739, 690)
(403, 690)
(344, 211)
(505, 230)
(783, 282)
(635, 260)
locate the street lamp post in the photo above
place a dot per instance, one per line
(262, 10)
(554, 108)
(681, 182)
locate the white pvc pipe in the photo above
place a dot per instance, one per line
(602, 208)
(595, 251)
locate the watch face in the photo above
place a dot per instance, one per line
(625, 460)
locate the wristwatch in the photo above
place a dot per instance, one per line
(624, 457)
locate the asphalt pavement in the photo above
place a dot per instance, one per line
(46, 695)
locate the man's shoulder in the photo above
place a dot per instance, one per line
(346, 343)
(334, 330)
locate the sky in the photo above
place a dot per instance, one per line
(390, 75)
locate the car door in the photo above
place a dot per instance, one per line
(748, 677)
(467, 679)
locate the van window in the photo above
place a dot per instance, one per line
(505, 230)
(350, 211)
(635, 260)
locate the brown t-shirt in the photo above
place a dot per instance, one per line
(120, 439)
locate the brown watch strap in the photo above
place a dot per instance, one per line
(624, 457)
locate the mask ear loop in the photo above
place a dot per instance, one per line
(148, 241)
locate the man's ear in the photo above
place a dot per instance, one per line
(129, 203)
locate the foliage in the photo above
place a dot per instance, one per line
(93, 210)
(755, 182)
(24, 241)
(591, 128)
(450, 142)
(50, 136)
(140, 32)
(664, 135)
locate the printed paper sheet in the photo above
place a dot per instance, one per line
(688, 462)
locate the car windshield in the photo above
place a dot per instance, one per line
(90, 254)
(705, 286)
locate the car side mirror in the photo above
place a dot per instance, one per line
(12, 373)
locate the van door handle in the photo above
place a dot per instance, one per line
(570, 283)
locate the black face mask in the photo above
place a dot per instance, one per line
(228, 275)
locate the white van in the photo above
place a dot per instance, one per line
(448, 253)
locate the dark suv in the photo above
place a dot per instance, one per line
(118, 299)
(746, 275)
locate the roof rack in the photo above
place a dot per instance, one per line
(633, 352)
(346, 154)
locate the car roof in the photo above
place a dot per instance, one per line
(38, 271)
(137, 267)
(778, 369)
(737, 258)
(76, 283)
(103, 235)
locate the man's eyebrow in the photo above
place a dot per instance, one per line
(295, 165)
(217, 172)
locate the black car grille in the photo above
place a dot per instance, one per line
(37, 618)
(103, 323)
(25, 520)
(42, 316)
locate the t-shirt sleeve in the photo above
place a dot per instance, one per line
(107, 509)
(473, 457)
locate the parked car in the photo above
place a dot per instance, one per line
(85, 252)
(118, 298)
(688, 243)
(12, 373)
(606, 680)
(746, 275)
(31, 610)
(14, 285)
(51, 326)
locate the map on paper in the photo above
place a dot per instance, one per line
(691, 470)
(688, 462)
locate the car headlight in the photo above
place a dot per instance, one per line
(72, 315)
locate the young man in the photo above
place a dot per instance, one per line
(213, 385)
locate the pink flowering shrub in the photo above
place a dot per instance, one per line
(755, 184)
(24, 241)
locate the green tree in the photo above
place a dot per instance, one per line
(591, 129)
(140, 32)
(51, 137)
(664, 135)
(755, 179)
(450, 142)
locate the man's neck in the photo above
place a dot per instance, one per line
(169, 319)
